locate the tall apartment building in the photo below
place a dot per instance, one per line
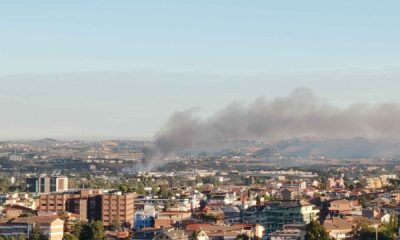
(275, 215)
(71, 201)
(117, 207)
(105, 206)
(44, 184)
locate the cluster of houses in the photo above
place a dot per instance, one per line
(276, 209)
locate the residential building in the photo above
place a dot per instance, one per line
(174, 235)
(334, 183)
(216, 232)
(74, 201)
(147, 234)
(51, 226)
(289, 232)
(44, 184)
(116, 206)
(274, 215)
(344, 207)
(169, 218)
(105, 206)
(145, 218)
(338, 228)
(14, 211)
(289, 194)
(232, 214)
(20, 199)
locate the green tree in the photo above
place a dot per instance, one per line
(140, 188)
(315, 231)
(69, 236)
(93, 230)
(154, 189)
(4, 185)
(123, 188)
(37, 234)
(385, 231)
(164, 191)
(242, 237)
(18, 237)
(195, 235)
(363, 232)
(76, 231)
(21, 237)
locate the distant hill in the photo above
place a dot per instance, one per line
(355, 148)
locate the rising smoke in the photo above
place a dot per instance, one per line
(299, 114)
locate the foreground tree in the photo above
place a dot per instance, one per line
(93, 230)
(315, 231)
(69, 236)
(19, 237)
(37, 234)
(364, 232)
(242, 237)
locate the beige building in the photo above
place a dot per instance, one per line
(344, 207)
(117, 207)
(254, 231)
(338, 228)
(378, 182)
(51, 226)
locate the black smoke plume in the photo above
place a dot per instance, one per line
(300, 114)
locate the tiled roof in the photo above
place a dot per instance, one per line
(36, 219)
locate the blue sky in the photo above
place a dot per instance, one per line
(101, 69)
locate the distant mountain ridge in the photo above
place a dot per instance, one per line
(355, 148)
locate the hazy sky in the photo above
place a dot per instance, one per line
(104, 69)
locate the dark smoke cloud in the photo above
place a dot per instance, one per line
(299, 114)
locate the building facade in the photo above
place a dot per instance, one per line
(105, 206)
(51, 226)
(274, 216)
(44, 184)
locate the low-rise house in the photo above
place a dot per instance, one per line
(344, 207)
(379, 202)
(174, 235)
(376, 214)
(14, 211)
(232, 214)
(217, 232)
(289, 232)
(145, 218)
(118, 235)
(338, 228)
(147, 234)
(167, 219)
(20, 199)
(360, 220)
(222, 198)
(289, 194)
